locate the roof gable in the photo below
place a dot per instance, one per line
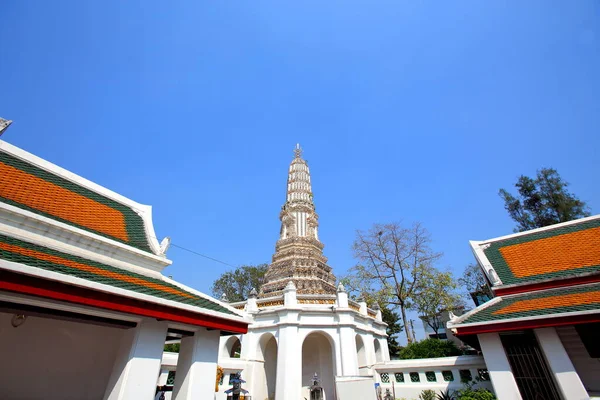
(557, 252)
(29, 187)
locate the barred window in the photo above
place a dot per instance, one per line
(448, 376)
(414, 377)
(385, 378)
(171, 378)
(430, 375)
(484, 374)
(399, 377)
(465, 375)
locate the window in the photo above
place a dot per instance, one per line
(385, 378)
(399, 377)
(430, 375)
(465, 375)
(484, 374)
(414, 377)
(171, 378)
(588, 333)
(448, 376)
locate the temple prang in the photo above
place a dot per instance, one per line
(298, 252)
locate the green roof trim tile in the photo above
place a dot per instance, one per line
(503, 270)
(134, 223)
(492, 313)
(18, 251)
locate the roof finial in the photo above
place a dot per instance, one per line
(298, 150)
(4, 124)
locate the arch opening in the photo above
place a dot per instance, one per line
(378, 351)
(361, 355)
(318, 357)
(266, 374)
(232, 348)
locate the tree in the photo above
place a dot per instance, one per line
(475, 284)
(394, 258)
(429, 348)
(391, 318)
(358, 288)
(237, 284)
(542, 201)
(436, 293)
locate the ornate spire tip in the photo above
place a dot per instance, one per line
(298, 150)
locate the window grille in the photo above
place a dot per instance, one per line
(430, 375)
(465, 375)
(484, 374)
(399, 377)
(414, 377)
(448, 376)
(385, 378)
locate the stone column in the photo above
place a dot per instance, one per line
(348, 349)
(197, 366)
(289, 360)
(501, 375)
(567, 380)
(136, 368)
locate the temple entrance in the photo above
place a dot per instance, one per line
(267, 370)
(318, 357)
(528, 366)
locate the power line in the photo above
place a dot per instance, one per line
(202, 255)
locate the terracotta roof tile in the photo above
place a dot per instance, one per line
(18, 251)
(34, 189)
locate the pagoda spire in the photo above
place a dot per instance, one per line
(298, 252)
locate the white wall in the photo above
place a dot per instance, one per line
(412, 390)
(49, 359)
(587, 368)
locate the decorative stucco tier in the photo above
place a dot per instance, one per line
(298, 252)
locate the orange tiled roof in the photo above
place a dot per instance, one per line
(566, 251)
(29, 187)
(550, 303)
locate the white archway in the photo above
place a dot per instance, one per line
(361, 354)
(378, 351)
(266, 374)
(318, 357)
(232, 348)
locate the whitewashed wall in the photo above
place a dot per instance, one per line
(411, 390)
(55, 360)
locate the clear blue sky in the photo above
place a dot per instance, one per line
(407, 110)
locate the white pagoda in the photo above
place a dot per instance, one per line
(302, 323)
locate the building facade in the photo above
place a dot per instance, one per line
(539, 333)
(85, 310)
(301, 322)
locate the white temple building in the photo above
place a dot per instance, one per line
(301, 322)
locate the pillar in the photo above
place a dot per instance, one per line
(348, 354)
(138, 361)
(289, 364)
(501, 375)
(566, 378)
(197, 366)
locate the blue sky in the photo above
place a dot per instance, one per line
(407, 110)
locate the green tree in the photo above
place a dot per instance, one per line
(429, 348)
(391, 318)
(237, 284)
(436, 293)
(358, 288)
(542, 201)
(393, 260)
(474, 282)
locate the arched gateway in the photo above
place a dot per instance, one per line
(302, 323)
